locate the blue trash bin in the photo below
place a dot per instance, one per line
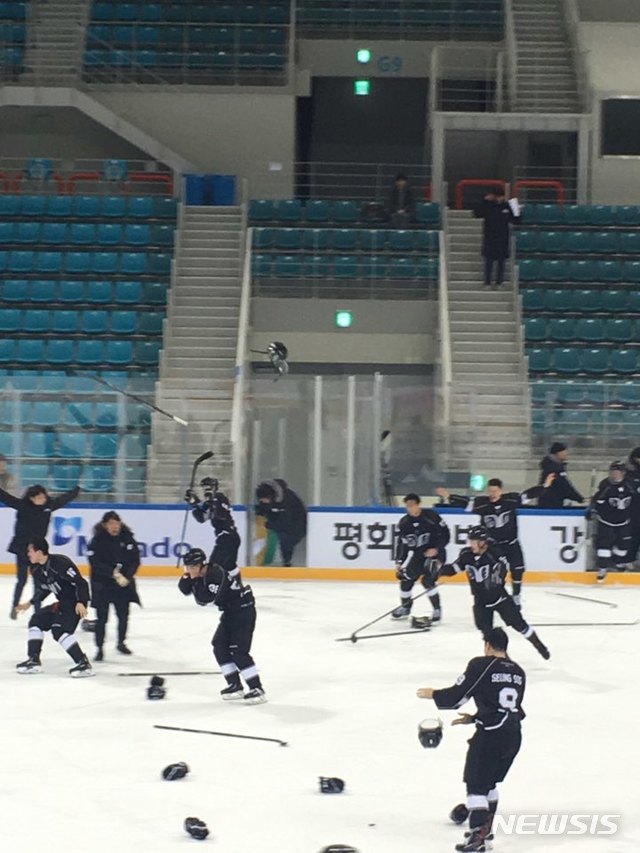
(195, 190)
(223, 190)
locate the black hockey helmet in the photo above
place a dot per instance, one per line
(459, 813)
(331, 785)
(194, 557)
(430, 733)
(478, 532)
(618, 465)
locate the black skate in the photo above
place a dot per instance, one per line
(401, 612)
(30, 666)
(436, 616)
(233, 691)
(421, 623)
(99, 656)
(488, 842)
(602, 575)
(255, 696)
(124, 650)
(82, 669)
(475, 842)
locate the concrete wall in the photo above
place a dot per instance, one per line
(614, 67)
(238, 134)
(398, 332)
(609, 10)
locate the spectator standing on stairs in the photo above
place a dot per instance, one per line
(498, 215)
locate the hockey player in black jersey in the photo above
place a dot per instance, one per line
(486, 570)
(57, 574)
(611, 508)
(498, 513)
(216, 509)
(422, 536)
(210, 584)
(497, 686)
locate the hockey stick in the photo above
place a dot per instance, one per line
(376, 636)
(582, 598)
(586, 624)
(150, 674)
(378, 618)
(202, 458)
(222, 734)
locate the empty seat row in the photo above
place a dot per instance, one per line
(458, 13)
(218, 61)
(11, 58)
(79, 263)
(319, 210)
(578, 242)
(582, 214)
(12, 33)
(580, 301)
(87, 206)
(589, 329)
(85, 234)
(187, 38)
(593, 393)
(22, 290)
(197, 13)
(76, 445)
(586, 423)
(343, 266)
(532, 269)
(583, 360)
(86, 322)
(49, 413)
(140, 381)
(34, 351)
(346, 239)
(13, 11)
(62, 476)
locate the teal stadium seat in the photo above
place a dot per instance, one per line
(402, 268)
(22, 261)
(79, 413)
(316, 266)
(628, 215)
(162, 235)
(140, 207)
(33, 205)
(630, 243)
(124, 322)
(98, 478)
(261, 265)
(86, 206)
(128, 292)
(588, 300)
(631, 272)
(526, 242)
(602, 214)
(113, 207)
(551, 242)
(31, 351)
(11, 320)
(374, 266)
(15, 290)
(562, 329)
(619, 331)
(288, 210)
(572, 393)
(533, 299)
(628, 393)
(428, 268)
(94, 322)
(150, 323)
(78, 263)
(36, 322)
(624, 361)
(529, 270)
(345, 266)
(400, 241)
(49, 262)
(65, 322)
(535, 329)
(554, 270)
(615, 301)
(60, 206)
(582, 271)
(289, 239)
(146, 352)
(344, 211)
(7, 350)
(137, 235)
(425, 241)
(109, 234)
(576, 214)
(428, 213)
(43, 413)
(6, 233)
(73, 445)
(135, 446)
(27, 232)
(61, 352)
(561, 300)
(65, 477)
(104, 446)
(316, 239)
(105, 263)
(121, 353)
(287, 266)
(539, 360)
(70, 291)
(578, 242)
(605, 242)
(373, 239)
(83, 234)
(55, 233)
(595, 360)
(106, 414)
(543, 214)
(344, 239)
(99, 292)
(9, 205)
(262, 210)
(590, 330)
(137, 263)
(317, 210)
(165, 207)
(567, 360)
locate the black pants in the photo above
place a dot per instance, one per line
(634, 543)
(507, 609)
(121, 605)
(288, 542)
(58, 618)
(490, 756)
(232, 639)
(423, 567)
(488, 270)
(612, 545)
(22, 575)
(513, 553)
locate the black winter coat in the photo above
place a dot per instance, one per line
(561, 489)
(633, 479)
(287, 514)
(401, 200)
(32, 521)
(498, 217)
(105, 553)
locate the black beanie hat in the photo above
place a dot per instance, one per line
(557, 447)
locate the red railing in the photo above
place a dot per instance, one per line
(558, 186)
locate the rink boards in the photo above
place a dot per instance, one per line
(343, 543)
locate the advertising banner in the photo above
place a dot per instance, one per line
(157, 530)
(363, 538)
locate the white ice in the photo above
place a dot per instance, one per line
(81, 761)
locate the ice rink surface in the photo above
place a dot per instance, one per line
(82, 761)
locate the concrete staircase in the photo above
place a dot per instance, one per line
(55, 44)
(198, 360)
(546, 77)
(489, 396)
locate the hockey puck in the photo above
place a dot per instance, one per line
(353, 639)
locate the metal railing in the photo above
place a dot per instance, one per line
(85, 176)
(467, 79)
(566, 175)
(511, 53)
(444, 326)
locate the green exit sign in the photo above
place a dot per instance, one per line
(344, 319)
(477, 482)
(361, 87)
(363, 55)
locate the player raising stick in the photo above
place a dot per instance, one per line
(486, 570)
(420, 550)
(497, 686)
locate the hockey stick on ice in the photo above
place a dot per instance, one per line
(582, 598)
(355, 639)
(202, 458)
(222, 734)
(150, 674)
(378, 618)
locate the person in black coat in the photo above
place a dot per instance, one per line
(561, 488)
(285, 514)
(498, 216)
(401, 202)
(633, 478)
(114, 558)
(33, 514)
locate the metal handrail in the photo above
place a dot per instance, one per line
(512, 52)
(444, 328)
(237, 410)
